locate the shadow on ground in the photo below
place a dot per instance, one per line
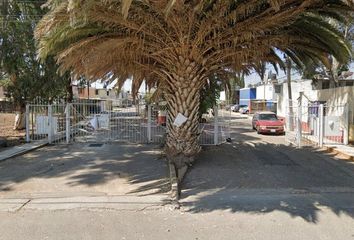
(259, 177)
(108, 169)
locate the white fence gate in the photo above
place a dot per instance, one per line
(111, 121)
(317, 124)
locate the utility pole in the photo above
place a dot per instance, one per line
(264, 95)
(288, 78)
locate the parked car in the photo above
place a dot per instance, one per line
(234, 107)
(237, 107)
(267, 122)
(244, 110)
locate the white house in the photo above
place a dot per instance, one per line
(266, 92)
(338, 102)
(313, 92)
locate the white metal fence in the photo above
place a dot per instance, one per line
(110, 121)
(216, 129)
(317, 124)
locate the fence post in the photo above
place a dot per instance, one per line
(346, 125)
(216, 127)
(229, 125)
(149, 124)
(67, 122)
(109, 122)
(50, 124)
(321, 125)
(27, 124)
(299, 121)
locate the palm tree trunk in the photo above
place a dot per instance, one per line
(182, 141)
(183, 97)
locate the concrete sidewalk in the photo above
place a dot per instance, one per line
(346, 150)
(78, 170)
(19, 150)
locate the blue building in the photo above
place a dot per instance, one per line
(246, 95)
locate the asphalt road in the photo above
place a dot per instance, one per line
(172, 224)
(263, 175)
(265, 162)
(256, 187)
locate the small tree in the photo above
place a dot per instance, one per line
(209, 95)
(23, 75)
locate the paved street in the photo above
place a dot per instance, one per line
(256, 187)
(168, 224)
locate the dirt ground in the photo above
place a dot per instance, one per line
(13, 137)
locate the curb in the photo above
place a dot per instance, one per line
(348, 157)
(55, 203)
(21, 152)
(334, 150)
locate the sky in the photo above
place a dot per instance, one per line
(127, 87)
(254, 78)
(251, 79)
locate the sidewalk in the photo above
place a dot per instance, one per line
(346, 150)
(18, 150)
(83, 170)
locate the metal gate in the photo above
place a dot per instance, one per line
(317, 124)
(216, 128)
(46, 123)
(111, 121)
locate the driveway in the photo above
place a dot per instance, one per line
(261, 174)
(85, 170)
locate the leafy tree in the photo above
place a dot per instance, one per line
(23, 75)
(209, 95)
(179, 44)
(238, 80)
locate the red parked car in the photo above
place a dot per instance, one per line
(267, 122)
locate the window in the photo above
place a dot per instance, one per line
(268, 117)
(81, 90)
(96, 91)
(107, 93)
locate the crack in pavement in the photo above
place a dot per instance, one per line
(23, 205)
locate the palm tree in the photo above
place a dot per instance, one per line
(179, 44)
